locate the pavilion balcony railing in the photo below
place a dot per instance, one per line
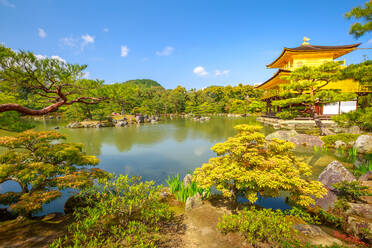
(365, 88)
(270, 93)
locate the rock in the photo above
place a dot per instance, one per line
(335, 172)
(316, 235)
(98, 125)
(74, 125)
(154, 121)
(354, 130)
(187, 179)
(339, 144)
(110, 119)
(282, 135)
(363, 144)
(193, 202)
(305, 139)
(366, 177)
(121, 124)
(140, 119)
(360, 209)
(357, 226)
(56, 128)
(163, 194)
(52, 216)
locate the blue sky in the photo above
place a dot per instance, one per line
(193, 43)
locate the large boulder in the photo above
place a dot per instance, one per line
(121, 124)
(354, 130)
(357, 226)
(360, 209)
(335, 172)
(307, 140)
(315, 235)
(282, 135)
(193, 202)
(363, 144)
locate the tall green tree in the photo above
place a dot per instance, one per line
(306, 89)
(361, 13)
(37, 86)
(42, 168)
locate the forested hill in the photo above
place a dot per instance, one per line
(145, 83)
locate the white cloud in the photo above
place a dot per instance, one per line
(42, 33)
(124, 51)
(69, 41)
(39, 56)
(200, 71)
(168, 50)
(106, 30)
(87, 39)
(58, 58)
(369, 42)
(7, 3)
(220, 73)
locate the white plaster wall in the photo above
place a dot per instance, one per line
(348, 106)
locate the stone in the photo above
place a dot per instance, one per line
(140, 119)
(363, 144)
(282, 135)
(307, 140)
(193, 202)
(357, 226)
(335, 172)
(339, 144)
(316, 235)
(74, 125)
(98, 125)
(366, 177)
(187, 179)
(121, 124)
(360, 209)
(56, 127)
(354, 130)
(154, 121)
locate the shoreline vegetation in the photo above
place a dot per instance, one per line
(215, 205)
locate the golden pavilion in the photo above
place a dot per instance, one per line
(310, 55)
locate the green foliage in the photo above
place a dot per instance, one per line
(358, 29)
(288, 115)
(329, 218)
(11, 121)
(306, 89)
(248, 164)
(301, 213)
(120, 212)
(297, 244)
(36, 86)
(265, 225)
(351, 191)
(182, 192)
(362, 169)
(330, 140)
(361, 117)
(143, 83)
(42, 168)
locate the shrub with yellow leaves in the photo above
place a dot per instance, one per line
(42, 167)
(247, 164)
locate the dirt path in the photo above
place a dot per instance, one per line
(201, 229)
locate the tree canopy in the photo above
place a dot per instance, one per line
(42, 168)
(359, 29)
(36, 86)
(247, 164)
(306, 89)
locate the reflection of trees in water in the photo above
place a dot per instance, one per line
(92, 138)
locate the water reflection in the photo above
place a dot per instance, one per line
(156, 151)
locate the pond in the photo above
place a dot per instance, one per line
(156, 151)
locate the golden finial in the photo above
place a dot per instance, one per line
(306, 41)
